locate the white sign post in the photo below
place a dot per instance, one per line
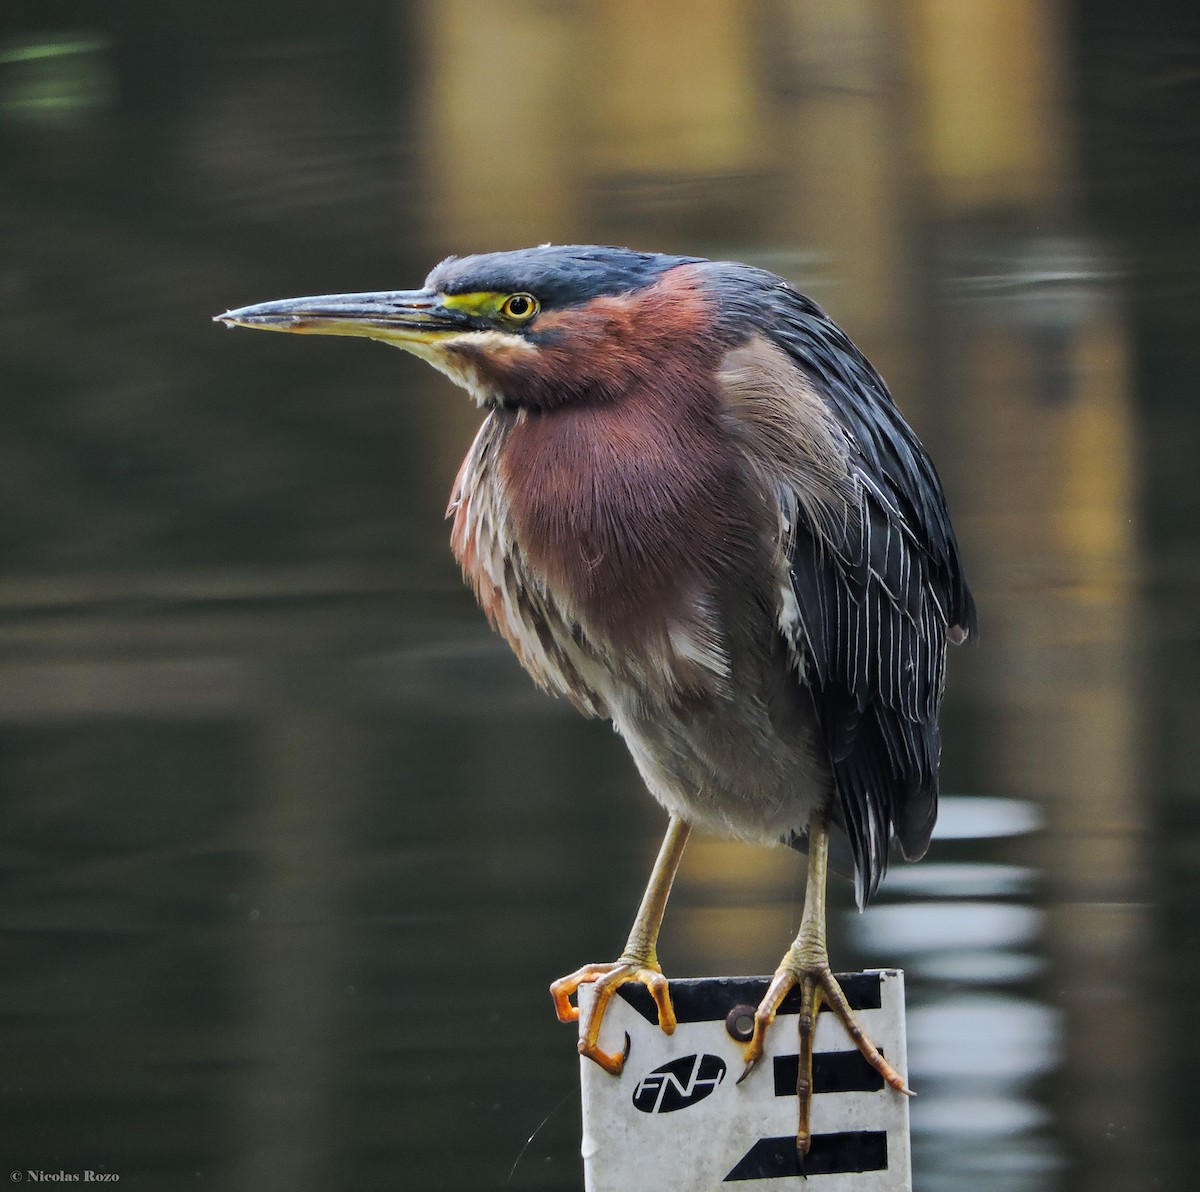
(676, 1120)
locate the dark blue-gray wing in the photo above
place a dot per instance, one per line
(879, 593)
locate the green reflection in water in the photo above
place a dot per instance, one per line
(54, 80)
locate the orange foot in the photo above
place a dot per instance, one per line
(608, 978)
(817, 984)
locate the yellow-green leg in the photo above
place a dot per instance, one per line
(807, 965)
(638, 961)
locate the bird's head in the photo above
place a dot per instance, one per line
(535, 328)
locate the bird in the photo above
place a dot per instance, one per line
(693, 509)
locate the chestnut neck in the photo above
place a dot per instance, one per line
(628, 508)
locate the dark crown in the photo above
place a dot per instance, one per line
(557, 275)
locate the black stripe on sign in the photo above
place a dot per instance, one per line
(830, 1154)
(833, 1072)
(709, 999)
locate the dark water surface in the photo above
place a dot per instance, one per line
(291, 848)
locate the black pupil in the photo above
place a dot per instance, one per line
(518, 307)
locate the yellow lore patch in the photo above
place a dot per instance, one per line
(513, 309)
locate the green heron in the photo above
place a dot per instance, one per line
(694, 510)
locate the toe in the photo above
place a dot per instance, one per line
(611, 1062)
(660, 990)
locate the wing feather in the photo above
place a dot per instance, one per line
(877, 581)
(894, 573)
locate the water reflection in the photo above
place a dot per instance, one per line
(979, 1040)
(55, 81)
(291, 848)
(946, 926)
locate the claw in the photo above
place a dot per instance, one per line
(613, 1064)
(832, 995)
(608, 978)
(750, 1066)
(780, 985)
(817, 984)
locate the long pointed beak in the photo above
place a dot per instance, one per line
(402, 317)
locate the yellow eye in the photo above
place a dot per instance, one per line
(519, 308)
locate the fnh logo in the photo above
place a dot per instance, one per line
(680, 1083)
